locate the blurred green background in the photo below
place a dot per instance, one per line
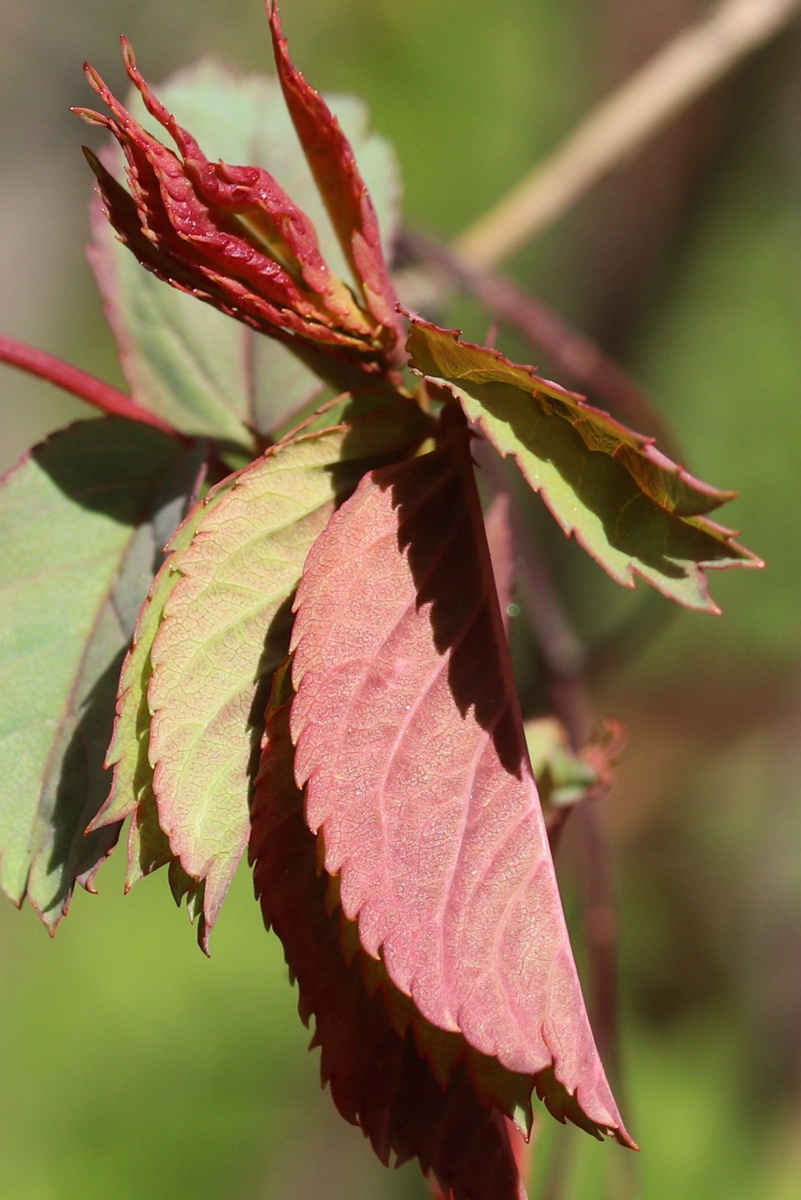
(130, 1065)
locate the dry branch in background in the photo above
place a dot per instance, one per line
(670, 81)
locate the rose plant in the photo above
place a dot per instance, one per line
(262, 606)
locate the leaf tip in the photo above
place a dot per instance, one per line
(203, 935)
(128, 56)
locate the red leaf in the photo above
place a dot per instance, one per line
(229, 234)
(343, 190)
(377, 1078)
(409, 735)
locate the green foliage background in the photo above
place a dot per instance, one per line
(131, 1065)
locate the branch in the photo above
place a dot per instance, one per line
(79, 383)
(677, 75)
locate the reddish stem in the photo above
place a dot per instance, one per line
(80, 383)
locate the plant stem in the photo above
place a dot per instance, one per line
(668, 83)
(601, 932)
(79, 383)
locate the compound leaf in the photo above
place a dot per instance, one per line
(410, 742)
(82, 522)
(630, 507)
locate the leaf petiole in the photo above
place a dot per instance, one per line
(86, 387)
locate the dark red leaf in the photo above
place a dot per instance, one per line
(377, 1078)
(229, 234)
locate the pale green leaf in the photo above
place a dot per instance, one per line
(225, 628)
(636, 512)
(128, 753)
(128, 750)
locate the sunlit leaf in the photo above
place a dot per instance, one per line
(225, 627)
(630, 507)
(83, 521)
(410, 741)
(128, 750)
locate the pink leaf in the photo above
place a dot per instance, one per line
(410, 740)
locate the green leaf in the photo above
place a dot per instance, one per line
(630, 507)
(225, 627)
(82, 519)
(131, 791)
(206, 374)
(564, 777)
